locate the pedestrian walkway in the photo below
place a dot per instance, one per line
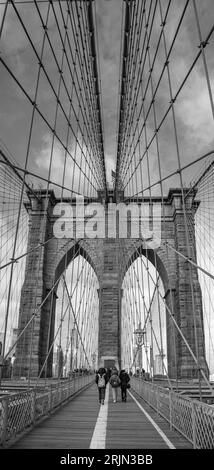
(84, 423)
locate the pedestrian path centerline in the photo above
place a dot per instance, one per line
(98, 440)
(158, 429)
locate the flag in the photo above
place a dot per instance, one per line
(119, 183)
(113, 175)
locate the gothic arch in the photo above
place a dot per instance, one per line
(72, 253)
(103, 255)
(156, 258)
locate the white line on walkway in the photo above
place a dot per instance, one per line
(98, 440)
(159, 430)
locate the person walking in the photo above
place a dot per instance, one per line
(101, 381)
(115, 383)
(124, 380)
(108, 373)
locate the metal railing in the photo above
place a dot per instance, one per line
(192, 418)
(20, 411)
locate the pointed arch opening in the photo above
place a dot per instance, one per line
(143, 319)
(76, 319)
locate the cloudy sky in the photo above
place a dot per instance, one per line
(193, 110)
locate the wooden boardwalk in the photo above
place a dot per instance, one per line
(127, 426)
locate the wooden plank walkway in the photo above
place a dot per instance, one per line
(73, 425)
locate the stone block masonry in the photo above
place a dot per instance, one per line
(44, 266)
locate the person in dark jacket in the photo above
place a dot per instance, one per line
(101, 381)
(115, 383)
(124, 379)
(108, 373)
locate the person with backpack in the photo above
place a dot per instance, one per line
(124, 379)
(115, 383)
(101, 381)
(108, 373)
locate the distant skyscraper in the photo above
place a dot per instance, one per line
(158, 369)
(14, 337)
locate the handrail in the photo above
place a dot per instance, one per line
(21, 411)
(191, 418)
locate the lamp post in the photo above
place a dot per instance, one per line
(94, 359)
(140, 337)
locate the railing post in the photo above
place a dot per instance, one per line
(157, 399)
(62, 393)
(170, 409)
(67, 388)
(144, 389)
(149, 395)
(142, 392)
(59, 393)
(193, 426)
(33, 406)
(70, 385)
(4, 419)
(50, 398)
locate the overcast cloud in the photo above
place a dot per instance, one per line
(193, 110)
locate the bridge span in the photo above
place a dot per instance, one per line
(68, 415)
(106, 223)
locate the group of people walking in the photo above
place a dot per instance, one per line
(116, 380)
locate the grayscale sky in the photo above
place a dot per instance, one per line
(195, 128)
(193, 111)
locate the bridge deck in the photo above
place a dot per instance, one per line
(83, 423)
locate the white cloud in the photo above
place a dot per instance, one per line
(74, 177)
(194, 110)
(110, 165)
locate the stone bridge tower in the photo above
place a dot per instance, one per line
(104, 255)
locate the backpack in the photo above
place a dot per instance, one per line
(115, 381)
(101, 381)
